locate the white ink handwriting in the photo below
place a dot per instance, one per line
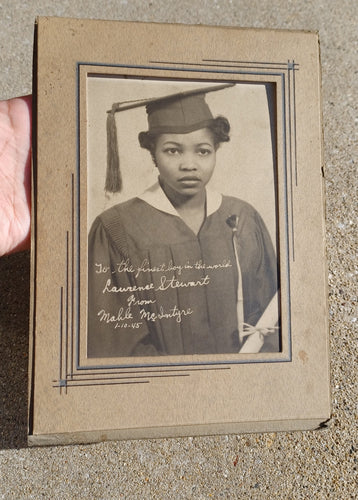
(202, 265)
(166, 283)
(134, 326)
(122, 314)
(124, 266)
(133, 301)
(109, 288)
(174, 312)
(100, 268)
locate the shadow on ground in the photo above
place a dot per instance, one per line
(14, 350)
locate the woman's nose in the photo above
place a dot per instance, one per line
(188, 162)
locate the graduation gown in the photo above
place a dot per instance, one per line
(157, 288)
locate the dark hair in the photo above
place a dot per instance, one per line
(220, 128)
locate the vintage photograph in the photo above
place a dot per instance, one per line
(182, 218)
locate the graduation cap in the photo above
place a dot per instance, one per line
(178, 113)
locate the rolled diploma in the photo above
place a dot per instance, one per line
(268, 319)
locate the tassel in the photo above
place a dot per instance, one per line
(113, 174)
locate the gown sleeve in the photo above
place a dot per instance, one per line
(267, 268)
(114, 326)
(267, 281)
(259, 269)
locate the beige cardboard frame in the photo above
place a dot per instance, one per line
(75, 399)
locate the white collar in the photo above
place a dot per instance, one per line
(156, 197)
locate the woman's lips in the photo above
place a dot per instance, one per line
(189, 179)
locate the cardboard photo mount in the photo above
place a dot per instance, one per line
(79, 67)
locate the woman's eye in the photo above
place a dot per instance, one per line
(171, 151)
(204, 152)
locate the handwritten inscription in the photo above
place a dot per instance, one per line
(145, 267)
(122, 319)
(133, 301)
(125, 266)
(165, 283)
(121, 315)
(174, 312)
(138, 307)
(110, 288)
(221, 265)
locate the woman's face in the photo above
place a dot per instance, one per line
(185, 162)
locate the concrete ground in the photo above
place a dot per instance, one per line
(301, 465)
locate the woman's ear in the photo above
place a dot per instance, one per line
(143, 139)
(148, 142)
(152, 154)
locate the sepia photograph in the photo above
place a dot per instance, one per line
(182, 218)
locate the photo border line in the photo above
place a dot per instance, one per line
(78, 211)
(282, 76)
(271, 70)
(67, 302)
(73, 384)
(61, 380)
(292, 142)
(72, 269)
(230, 64)
(263, 63)
(169, 68)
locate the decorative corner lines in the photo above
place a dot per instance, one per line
(291, 65)
(66, 299)
(64, 383)
(229, 63)
(283, 72)
(291, 128)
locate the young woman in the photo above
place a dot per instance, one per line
(179, 269)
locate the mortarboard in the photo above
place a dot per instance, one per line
(178, 113)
